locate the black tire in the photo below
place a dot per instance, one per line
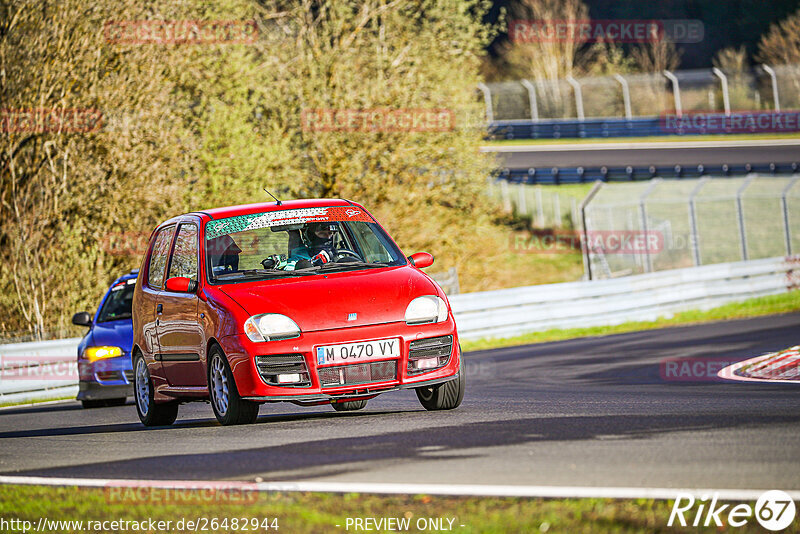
(349, 406)
(89, 404)
(444, 396)
(115, 402)
(150, 413)
(229, 407)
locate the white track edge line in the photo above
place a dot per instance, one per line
(35, 404)
(463, 490)
(574, 147)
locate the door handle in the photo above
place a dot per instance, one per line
(159, 309)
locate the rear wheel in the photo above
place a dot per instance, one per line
(349, 406)
(229, 407)
(150, 413)
(445, 396)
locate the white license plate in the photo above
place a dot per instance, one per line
(358, 352)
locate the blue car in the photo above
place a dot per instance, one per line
(104, 353)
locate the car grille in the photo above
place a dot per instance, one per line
(362, 373)
(269, 367)
(129, 376)
(434, 347)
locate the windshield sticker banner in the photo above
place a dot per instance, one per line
(254, 221)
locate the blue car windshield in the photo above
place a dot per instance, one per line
(119, 302)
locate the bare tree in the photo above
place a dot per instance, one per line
(781, 45)
(656, 56)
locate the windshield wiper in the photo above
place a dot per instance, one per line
(346, 264)
(259, 273)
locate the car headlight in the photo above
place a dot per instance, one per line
(427, 309)
(270, 326)
(99, 353)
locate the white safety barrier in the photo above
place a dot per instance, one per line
(48, 369)
(38, 371)
(645, 297)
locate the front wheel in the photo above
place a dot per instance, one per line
(229, 407)
(150, 413)
(445, 396)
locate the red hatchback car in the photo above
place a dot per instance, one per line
(306, 301)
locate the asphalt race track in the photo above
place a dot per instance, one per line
(589, 412)
(644, 154)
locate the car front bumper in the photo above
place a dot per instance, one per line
(109, 378)
(242, 353)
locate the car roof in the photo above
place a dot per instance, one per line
(260, 207)
(133, 274)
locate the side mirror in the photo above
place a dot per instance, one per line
(181, 284)
(82, 319)
(421, 260)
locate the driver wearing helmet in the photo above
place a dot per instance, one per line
(317, 247)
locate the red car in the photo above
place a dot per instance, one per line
(306, 301)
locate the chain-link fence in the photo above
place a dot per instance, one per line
(640, 227)
(544, 207)
(646, 95)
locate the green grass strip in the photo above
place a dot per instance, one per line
(650, 139)
(322, 512)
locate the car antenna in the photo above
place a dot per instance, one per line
(278, 202)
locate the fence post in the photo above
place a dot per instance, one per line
(506, 196)
(576, 87)
(532, 99)
(626, 95)
(785, 207)
(740, 216)
(775, 97)
(693, 220)
(539, 206)
(574, 213)
(487, 96)
(557, 210)
(587, 263)
(522, 205)
(726, 97)
(643, 214)
(676, 92)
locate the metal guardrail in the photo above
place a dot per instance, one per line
(38, 370)
(646, 297)
(47, 369)
(578, 129)
(632, 173)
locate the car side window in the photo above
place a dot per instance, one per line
(184, 255)
(158, 259)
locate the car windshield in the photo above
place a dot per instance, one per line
(118, 303)
(297, 242)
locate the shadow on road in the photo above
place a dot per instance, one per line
(320, 456)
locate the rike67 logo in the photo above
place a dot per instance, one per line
(774, 510)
